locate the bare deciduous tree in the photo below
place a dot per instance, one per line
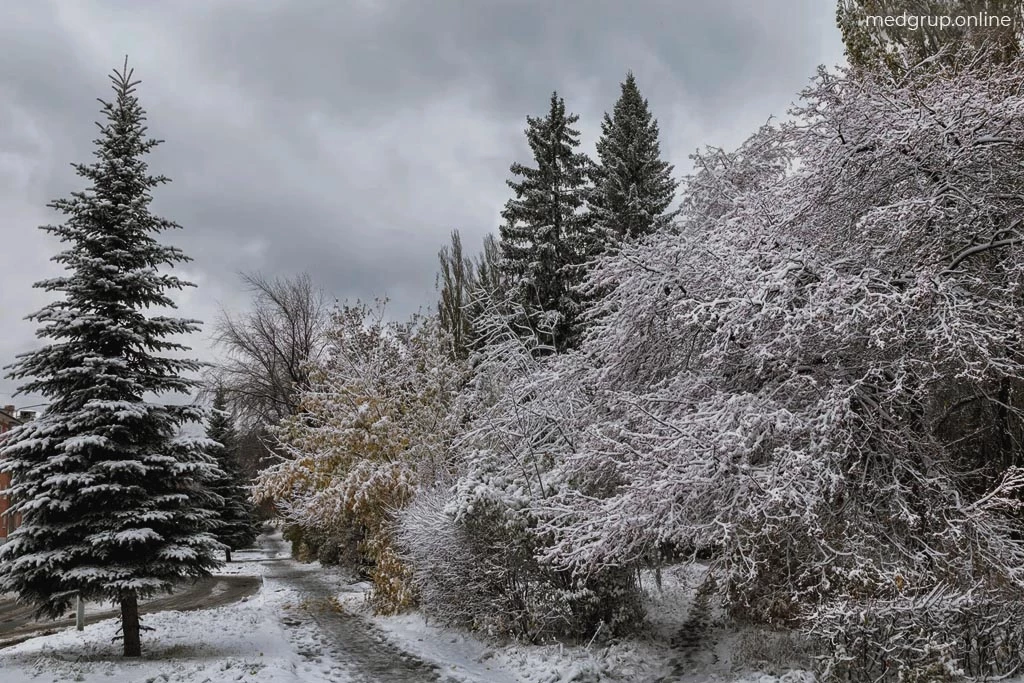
(268, 349)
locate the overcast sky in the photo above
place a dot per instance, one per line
(347, 138)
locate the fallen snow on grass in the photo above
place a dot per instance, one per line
(655, 658)
(279, 635)
(242, 642)
(239, 642)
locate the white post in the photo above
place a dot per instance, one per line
(80, 613)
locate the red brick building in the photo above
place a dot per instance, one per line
(8, 420)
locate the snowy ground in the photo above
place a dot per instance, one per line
(312, 625)
(234, 642)
(17, 622)
(715, 656)
(244, 641)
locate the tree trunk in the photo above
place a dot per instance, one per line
(227, 554)
(79, 613)
(130, 625)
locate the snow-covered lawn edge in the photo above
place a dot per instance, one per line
(464, 657)
(245, 641)
(242, 641)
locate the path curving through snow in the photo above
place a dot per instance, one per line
(333, 641)
(306, 624)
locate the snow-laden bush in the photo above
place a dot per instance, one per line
(447, 564)
(373, 427)
(482, 573)
(944, 635)
(771, 382)
(475, 551)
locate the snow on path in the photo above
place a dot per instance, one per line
(310, 624)
(331, 641)
(295, 630)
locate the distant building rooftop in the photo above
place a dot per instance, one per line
(9, 418)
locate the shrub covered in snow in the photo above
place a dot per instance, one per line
(491, 523)
(372, 428)
(772, 380)
(944, 635)
(811, 380)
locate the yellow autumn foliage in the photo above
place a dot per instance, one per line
(374, 426)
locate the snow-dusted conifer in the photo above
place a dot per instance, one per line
(113, 502)
(546, 238)
(633, 186)
(238, 527)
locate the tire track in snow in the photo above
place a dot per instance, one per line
(343, 646)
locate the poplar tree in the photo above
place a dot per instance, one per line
(456, 282)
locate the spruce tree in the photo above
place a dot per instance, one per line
(633, 186)
(113, 501)
(238, 527)
(546, 239)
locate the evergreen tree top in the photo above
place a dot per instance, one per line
(220, 426)
(113, 277)
(631, 102)
(633, 185)
(560, 172)
(545, 239)
(630, 128)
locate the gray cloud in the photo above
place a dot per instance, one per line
(347, 138)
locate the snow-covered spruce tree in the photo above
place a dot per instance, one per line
(546, 237)
(633, 186)
(237, 527)
(112, 500)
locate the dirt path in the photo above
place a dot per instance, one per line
(343, 645)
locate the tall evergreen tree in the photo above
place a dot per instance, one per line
(114, 502)
(633, 186)
(546, 237)
(238, 527)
